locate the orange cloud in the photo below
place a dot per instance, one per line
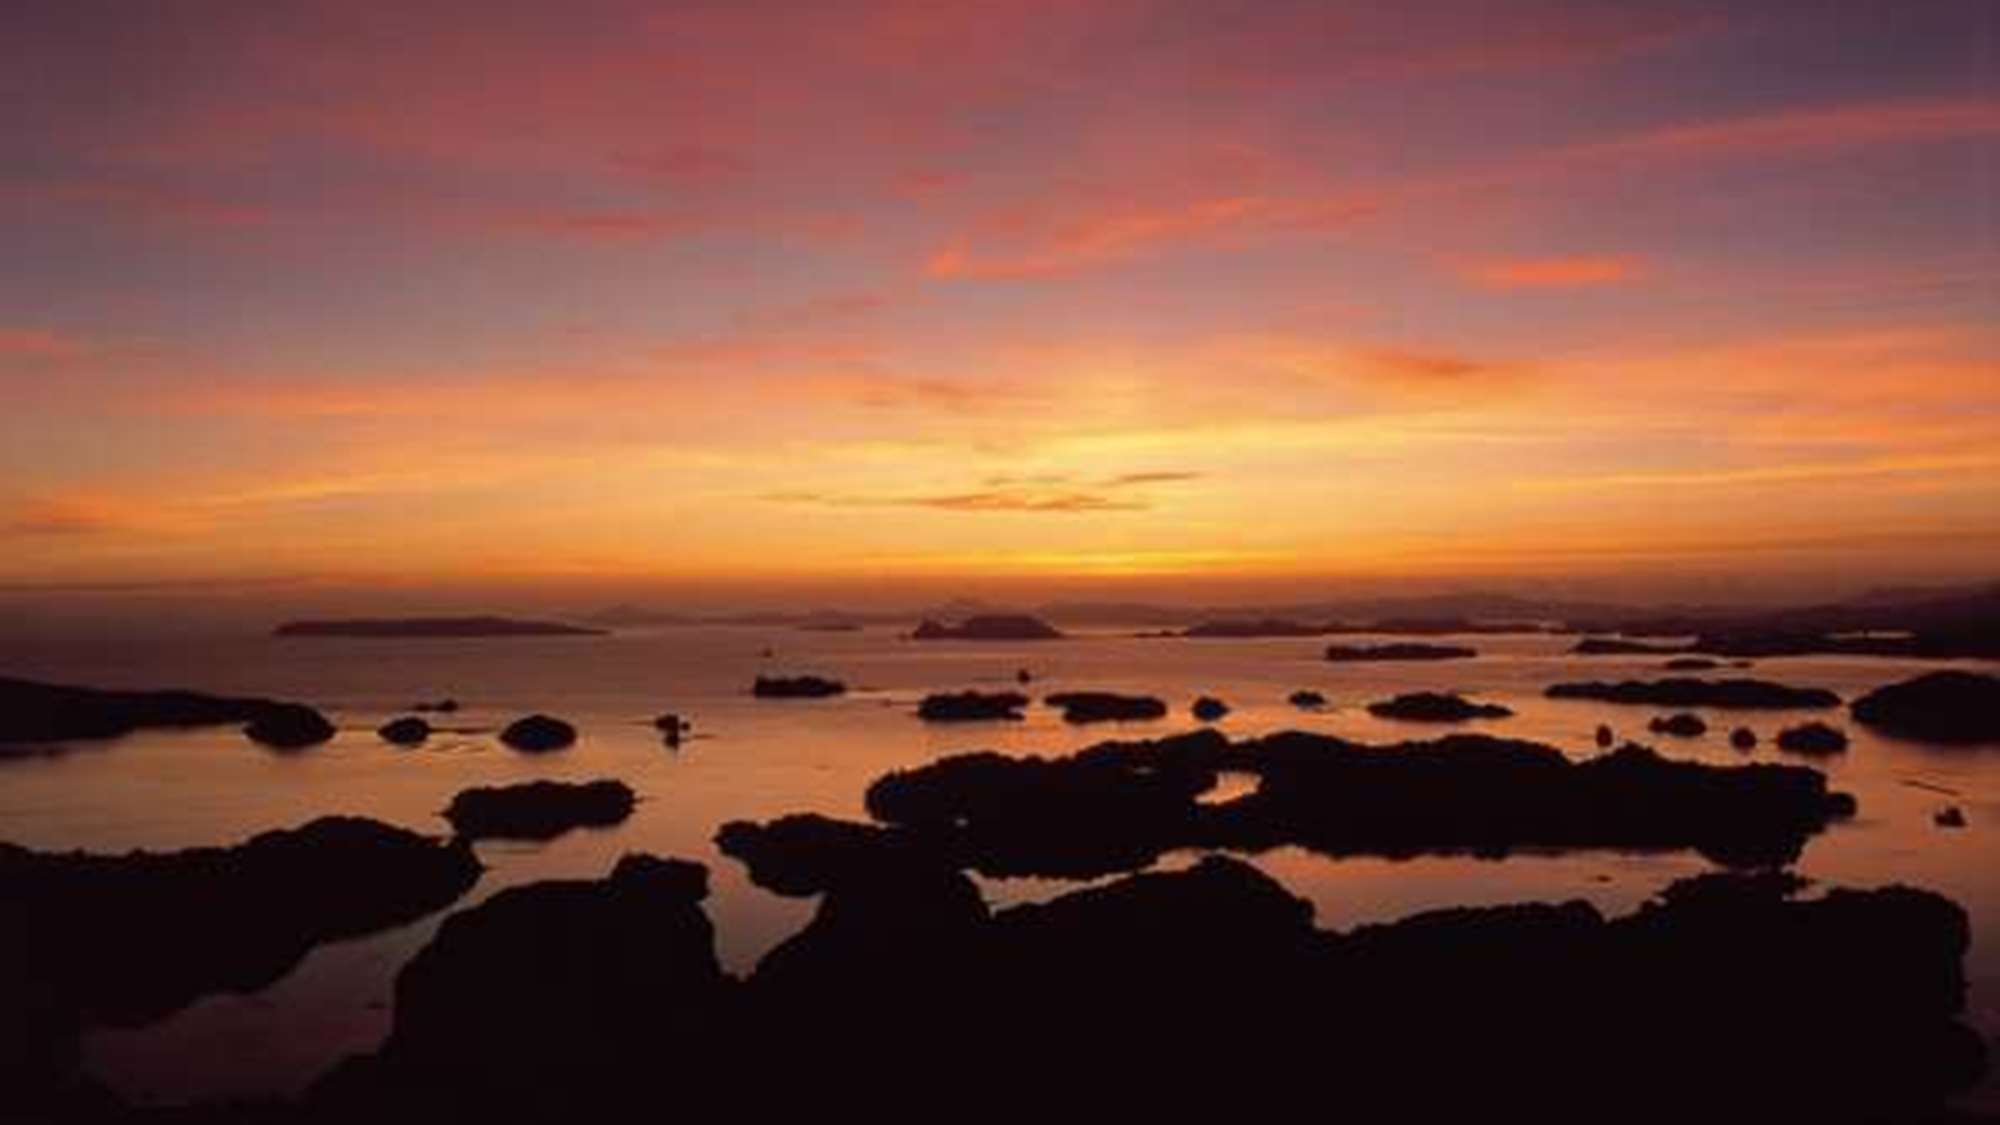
(75, 515)
(1011, 246)
(990, 500)
(1844, 126)
(39, 343)
(1553, 273)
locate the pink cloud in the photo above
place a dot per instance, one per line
(1553, 273)
(1011, 245)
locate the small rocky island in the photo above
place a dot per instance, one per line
(418, 627)
(1353, 654)
(1680, 692)
(1953, 707)
(538, 810)
(1436, 707)
(988, 627)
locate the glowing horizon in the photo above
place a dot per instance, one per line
(1052, 291)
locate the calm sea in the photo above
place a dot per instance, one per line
(761, 759)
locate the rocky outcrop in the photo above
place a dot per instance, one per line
(971, 706)
(1435, 707)
(1105, 707)
(1743, 738)
(289, 726)
(1688, 692)
(796, 687)
(1950, 707)
(1813, 738)
(406, 731)
(538, 734)
(1351, 654)
(1686, 724)
(988, 627)
(538, 810)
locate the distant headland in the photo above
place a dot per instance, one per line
(390, 627)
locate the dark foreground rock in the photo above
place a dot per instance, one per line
(1435, 707)
(988, 627)
(796, 687)
(406, 731)
(538, 734)
(39, 712)
(1352, 654)
(971, 706)
(538, 810)
(1953, 707)
(124, 940)
(1683, 725)
(554, 1001)
(289, 726)
(1853, 1014)
(1121, 805)
(1105, 707)
(1813, 738)
(1689, 692)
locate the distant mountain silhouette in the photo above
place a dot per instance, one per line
(387, 627)
(987, 627)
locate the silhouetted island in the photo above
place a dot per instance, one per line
(796, 687)
(124, 940)
(1120, 805)
(38, 712)
(1346, 654)
(971, 706)
(1739, 694)
(1951, 707)
(1686, 724)
(988, 627)
(1105, 706)
(1812, 738)
(1208, 709)
(410, 730)
(393, 627)
(1691, 664)
(1435, 707)
(1306, 699)
(538, 733)
(538, 810)
(1743, 738)
(288, 726)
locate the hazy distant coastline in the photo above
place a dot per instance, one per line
(391, 627)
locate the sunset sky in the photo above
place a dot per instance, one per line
(736, 292)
